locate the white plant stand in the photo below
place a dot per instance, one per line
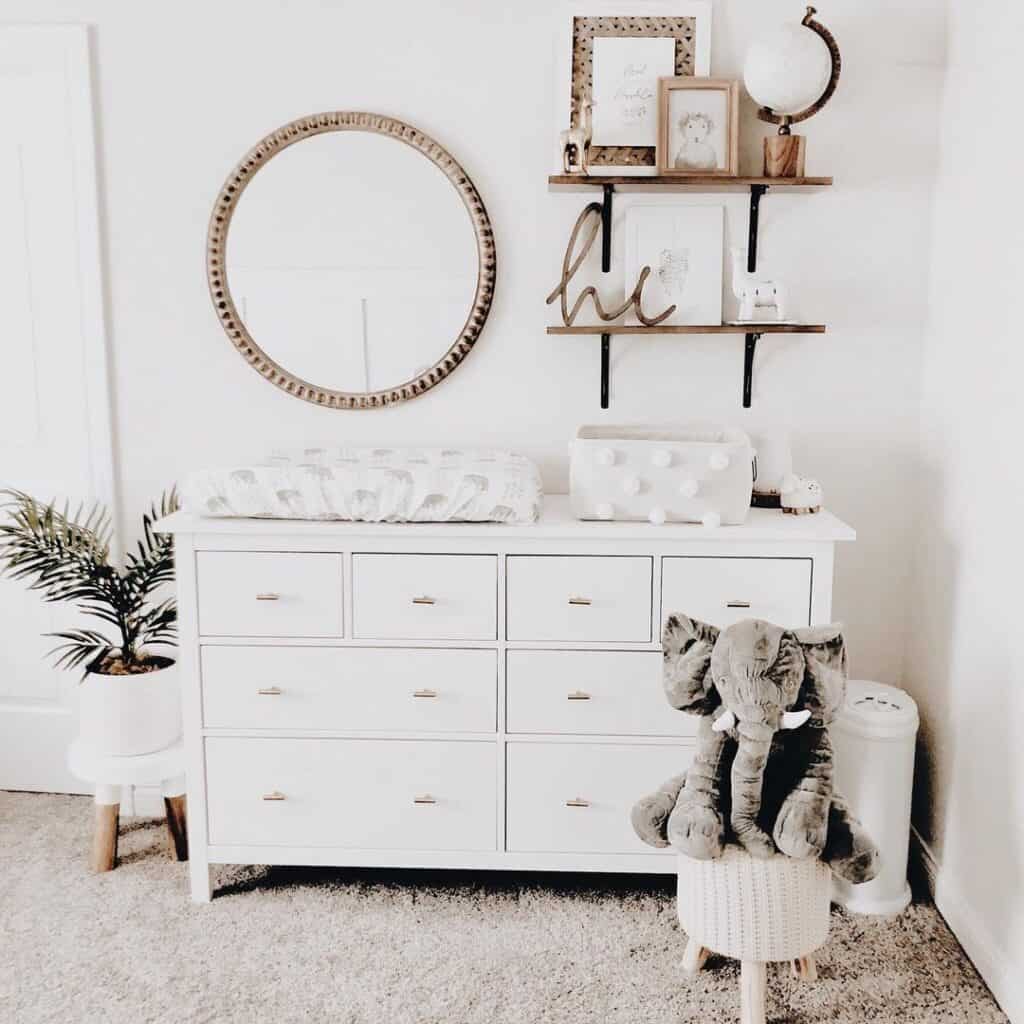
(165, 768)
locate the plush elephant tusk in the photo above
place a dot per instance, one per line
(724, 722)
(794, 719)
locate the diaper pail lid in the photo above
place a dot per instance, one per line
(876, 711)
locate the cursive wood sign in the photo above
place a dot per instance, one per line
(592, 213)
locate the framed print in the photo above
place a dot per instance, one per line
(683, 247)
(617, 54)
(698, 127)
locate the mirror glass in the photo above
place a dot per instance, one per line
(352, 261)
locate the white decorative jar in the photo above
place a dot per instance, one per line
(687, 474)
(131, 714)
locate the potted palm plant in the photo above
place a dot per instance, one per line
(129, 699)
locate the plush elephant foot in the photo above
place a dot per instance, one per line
(696, 830)
(802, 828)
(650, 814)
(757, 843)
(850, 852)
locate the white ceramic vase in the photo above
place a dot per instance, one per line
(129, 715)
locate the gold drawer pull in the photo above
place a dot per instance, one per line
(425, 693)
(270, 691)
(273, 796)
(423, 600)
(737, 604)
(425, 799)
(578, 802)
(268, 597)
(578, 695)
(579, 600)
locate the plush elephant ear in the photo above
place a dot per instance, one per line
(824, 685)
(686, 671)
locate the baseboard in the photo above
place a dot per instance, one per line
(992, 963)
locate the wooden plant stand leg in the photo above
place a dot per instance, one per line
(104, 839)
(694, 956)
(804, 968)
(753, 990)
(175, 806)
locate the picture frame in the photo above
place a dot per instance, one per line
(686, 22)
(698, 127)
(682, 243)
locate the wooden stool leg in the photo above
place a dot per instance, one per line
(175, 805)
(104, 839)
(804, 968)
(694, 956)
(753, 986)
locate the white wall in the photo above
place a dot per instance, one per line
(965, 664)
(185, 91)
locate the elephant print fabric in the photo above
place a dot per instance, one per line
(762, 772)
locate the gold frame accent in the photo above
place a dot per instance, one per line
(216, 246)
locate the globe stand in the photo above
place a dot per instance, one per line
(784, 156)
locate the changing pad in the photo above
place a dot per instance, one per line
(374, 485)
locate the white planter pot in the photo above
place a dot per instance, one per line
(130, 715)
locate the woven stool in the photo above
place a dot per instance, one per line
(755, 911)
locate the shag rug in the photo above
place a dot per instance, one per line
(352, 946)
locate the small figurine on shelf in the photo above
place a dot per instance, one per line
(800, 495)
(576, 143)
(762, 299)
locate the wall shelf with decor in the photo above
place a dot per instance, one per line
(758, 186)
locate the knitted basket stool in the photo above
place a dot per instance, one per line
(754, 911)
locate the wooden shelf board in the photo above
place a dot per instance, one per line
(703, 183)
(691, 329)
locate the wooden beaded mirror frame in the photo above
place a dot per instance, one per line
(216, 252)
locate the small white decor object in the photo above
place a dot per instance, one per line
(707, 478)
(762, 299)
(375, 485)
(124, 716)
(800, 495)
(683, 247)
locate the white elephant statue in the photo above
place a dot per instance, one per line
(761, 299)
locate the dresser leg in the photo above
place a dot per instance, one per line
(104, 839)
(199, 878)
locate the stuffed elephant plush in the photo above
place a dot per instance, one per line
(762, 771)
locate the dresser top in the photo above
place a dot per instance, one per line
(556, 522)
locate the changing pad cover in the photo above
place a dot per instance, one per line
(374, 485)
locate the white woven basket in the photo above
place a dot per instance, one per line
(750, 909)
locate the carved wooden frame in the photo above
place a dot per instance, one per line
(216, 248)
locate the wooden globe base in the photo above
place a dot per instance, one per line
(784, 156)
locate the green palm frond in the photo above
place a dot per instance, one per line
(65, 556)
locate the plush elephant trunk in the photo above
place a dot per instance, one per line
(754, 743)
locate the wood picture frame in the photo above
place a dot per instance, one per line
(702, 145)
(688, 22)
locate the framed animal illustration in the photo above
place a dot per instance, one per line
(698, 127)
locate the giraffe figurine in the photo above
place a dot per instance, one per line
(576, 143)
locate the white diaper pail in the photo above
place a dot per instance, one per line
(873, 737)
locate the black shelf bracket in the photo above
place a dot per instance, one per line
(756, 192)
(606, 265)
(749, 346)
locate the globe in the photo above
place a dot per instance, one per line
(788, 69)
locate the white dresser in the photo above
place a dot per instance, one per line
(454, 695)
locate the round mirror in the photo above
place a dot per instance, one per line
(356, 268)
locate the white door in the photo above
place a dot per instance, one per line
(54, 406)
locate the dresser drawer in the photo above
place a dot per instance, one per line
(269, 593)
(578, 692)
(725, 590)
(355, 794)
(349, 689)
(579, 598)
(425, 597)
(577, 798)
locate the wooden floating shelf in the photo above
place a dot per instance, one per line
(703, 182)
(691, 329)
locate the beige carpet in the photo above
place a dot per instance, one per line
(281, 945)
